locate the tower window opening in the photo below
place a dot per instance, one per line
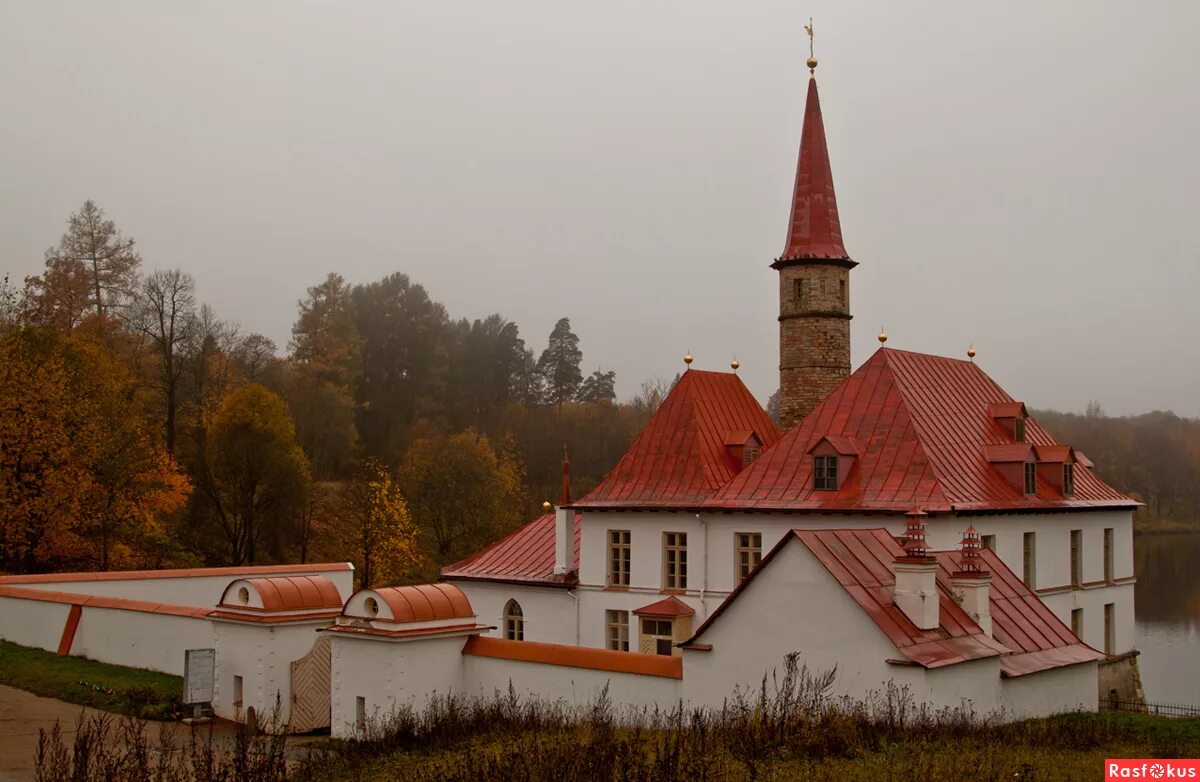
(798, 290)
(842, 292)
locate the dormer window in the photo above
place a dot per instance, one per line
(1068, 486)
(1030, 478)
(1019, 429)
(749, 454)
(825, 473)
(1011, 416)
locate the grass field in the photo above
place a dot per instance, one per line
(89, 683)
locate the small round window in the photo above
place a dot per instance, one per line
(244, 596)
(372, 607)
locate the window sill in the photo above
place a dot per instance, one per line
(616, 588)
(666, 591)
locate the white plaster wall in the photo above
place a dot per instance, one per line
(262, 655)
(156, 642)
(1092, 602)
(32, 622)
(1073, 688)
(794, 605)
(549, 611)
(974, 685)
(391, 674)
(577, 686)
(196, 591)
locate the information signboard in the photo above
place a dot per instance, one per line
(199, 670)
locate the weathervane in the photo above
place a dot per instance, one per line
(812, 57)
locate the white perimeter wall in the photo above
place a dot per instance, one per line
(262, 655)
(156, 642)
(390, 674)
(195, 591)
(1073, 688)
(549, 611)
(35, 623)
(576, 686)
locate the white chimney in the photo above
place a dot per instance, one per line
(972, 584)
(564, 537)
(916, 576)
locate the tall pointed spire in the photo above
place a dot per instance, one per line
(814, 277)
(814, 230)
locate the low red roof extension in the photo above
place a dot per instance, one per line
(669, 606)
(923, 426)
(523, 557)
(1025, 633)
(575, 656)
(680, 458)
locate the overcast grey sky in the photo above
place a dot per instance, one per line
(1022, 175)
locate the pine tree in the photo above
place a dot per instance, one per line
(599, 387)
(559, 364)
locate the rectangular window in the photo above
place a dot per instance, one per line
(1030, 478)
(1031, 559)
(657, 636)
(1076, 557)
(749, 552)
(1108, 554)
(1110, 630)
(618, 557)
(842, 291)
(617, 625)
(1077, 622)
(798, 291)
(360, 714)
(1068, 480)
(749, 454)
(237, 691)
(674, 560)
(1019, 429)
(825, 476)
(988, 542)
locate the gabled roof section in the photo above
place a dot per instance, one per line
(523, 557)
(668, 606)
(923, 425)
(1007, 410)
(839, 442)
(1025, 633)
(680, 458)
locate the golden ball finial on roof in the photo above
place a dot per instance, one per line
(971, 352)
(882, 336)
(546, 506)
(812, 57)
(812, 64)
(734, 365)
(687, 359)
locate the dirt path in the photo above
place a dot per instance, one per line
(21, 715)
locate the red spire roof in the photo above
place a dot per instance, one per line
(925, 434)
(814, 230)
(681, 457)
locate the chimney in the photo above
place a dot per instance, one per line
(972, 584)
(916, 576)
(564, 539)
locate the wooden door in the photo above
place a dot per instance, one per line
(310, 688)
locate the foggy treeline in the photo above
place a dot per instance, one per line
(141, 429)
(1154, 457)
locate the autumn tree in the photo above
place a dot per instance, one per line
(374, 529)
(61, 297)
(559, 364)
(256, 475)
(108, 258)
(10, 305)
(165, 312)
(81, 480)
(255, 357)
(460, 492)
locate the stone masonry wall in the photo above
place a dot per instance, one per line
(814, 336)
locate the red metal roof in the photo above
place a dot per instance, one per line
(681, 457)
(922, 424)
(575, 656)
(814, 230)
(1008, 452)
(525, 556)
(288, 593)
(426, 602)
(1025, 633)
(668, 606)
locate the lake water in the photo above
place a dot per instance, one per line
(1168, 616)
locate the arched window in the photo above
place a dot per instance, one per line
(514, 621)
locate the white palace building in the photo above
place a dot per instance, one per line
(911, 524)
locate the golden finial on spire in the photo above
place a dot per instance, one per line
(971, 351)
(546, 506)
(882, 336)
(687, 358)
(734, 364)
(812, 58)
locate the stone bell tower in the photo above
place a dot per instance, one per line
(814, 279)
